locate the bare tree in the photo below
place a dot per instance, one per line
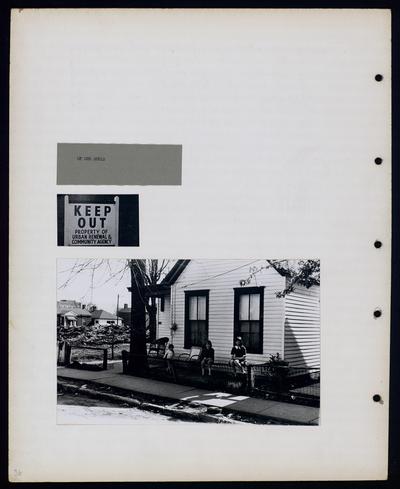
(152, 271)
(145, 276)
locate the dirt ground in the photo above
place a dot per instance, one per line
(78, 409)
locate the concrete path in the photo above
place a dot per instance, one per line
(272, 410)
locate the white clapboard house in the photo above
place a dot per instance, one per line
(221, 299)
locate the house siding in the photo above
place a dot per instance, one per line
(220, 277)
(302, 327)
(164, 318)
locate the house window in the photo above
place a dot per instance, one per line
(196, 318)
(248, 317)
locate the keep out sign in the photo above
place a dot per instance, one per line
(90, 224)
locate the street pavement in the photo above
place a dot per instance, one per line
(270, 410)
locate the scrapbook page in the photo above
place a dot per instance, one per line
(199, 244)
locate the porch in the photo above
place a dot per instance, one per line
(263, 381)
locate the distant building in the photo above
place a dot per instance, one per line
(100, 317)
(72, 313)
(125, 314)
(66, 305)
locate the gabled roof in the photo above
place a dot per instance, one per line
(70, 314)
(102, 314)
(180, 265)
(175, 272)
(163, 288)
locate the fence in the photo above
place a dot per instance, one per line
(86, 363)
(299, 385)
(91, 354)
(269, 380)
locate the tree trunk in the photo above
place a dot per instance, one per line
(138, 355)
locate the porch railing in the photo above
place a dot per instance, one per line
(300, 385)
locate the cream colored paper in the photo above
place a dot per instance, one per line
(280, 119)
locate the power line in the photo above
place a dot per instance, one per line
(220, 274)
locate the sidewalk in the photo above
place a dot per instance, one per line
(270, 410)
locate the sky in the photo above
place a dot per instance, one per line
(76, 276)
(74, 282)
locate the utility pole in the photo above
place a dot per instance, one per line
(113, 336)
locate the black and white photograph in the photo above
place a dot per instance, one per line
(98, 220)
(200, 223)
(155, 341)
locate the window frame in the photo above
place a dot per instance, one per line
(238, 292)
(188, 294)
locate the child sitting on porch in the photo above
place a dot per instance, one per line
(169, 355)
(206, 357)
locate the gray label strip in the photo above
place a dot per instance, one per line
(119, 164)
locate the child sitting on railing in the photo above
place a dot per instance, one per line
(238, 356)
(206, 357)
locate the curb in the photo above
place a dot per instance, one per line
(265, 419)
(146, 406)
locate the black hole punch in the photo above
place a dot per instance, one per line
(378, 161)
(378, 77)
(376, 398)
(378, 244)
(377, 313)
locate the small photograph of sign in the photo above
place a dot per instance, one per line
(98, 220)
